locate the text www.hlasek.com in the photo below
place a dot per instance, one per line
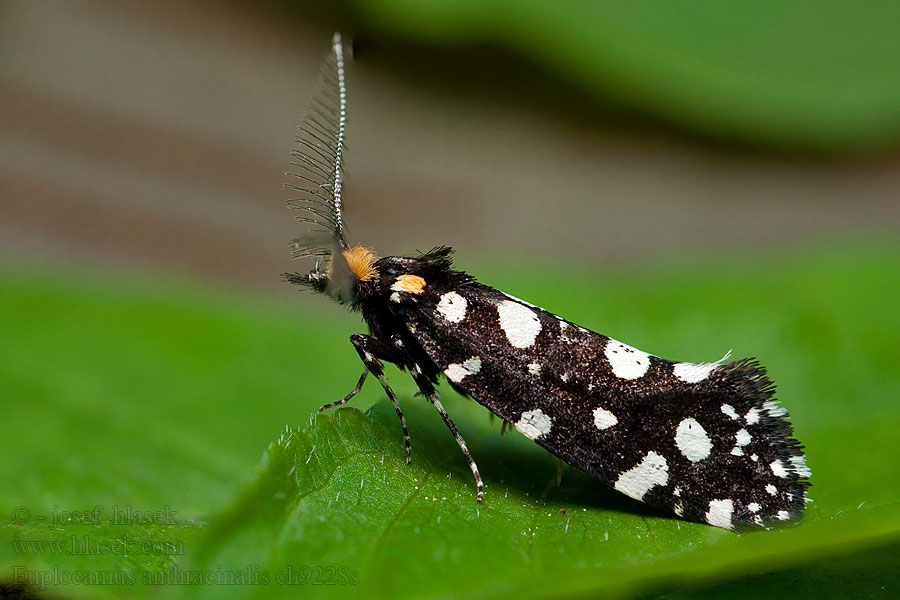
(84, 545)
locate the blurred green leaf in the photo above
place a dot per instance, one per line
(801, 75)
(869, 574)
(151, 396)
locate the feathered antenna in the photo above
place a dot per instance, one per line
(317, 159)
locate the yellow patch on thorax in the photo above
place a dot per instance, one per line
(409, 283)
(361, 262)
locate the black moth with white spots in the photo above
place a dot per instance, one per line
(706, 441)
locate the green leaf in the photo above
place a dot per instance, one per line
(812, 75)
(152, 396)
(128, 396)
(338, 497)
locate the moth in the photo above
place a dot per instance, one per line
(706, 441)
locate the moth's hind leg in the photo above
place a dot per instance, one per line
(372, 351)
(479, 483)
(429, 392)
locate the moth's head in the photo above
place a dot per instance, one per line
(350, 275)
(341, 274)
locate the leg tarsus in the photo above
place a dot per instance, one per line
(359, 384)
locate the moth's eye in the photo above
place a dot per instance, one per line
(392, 271)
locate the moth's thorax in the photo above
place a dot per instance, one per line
(394, 279)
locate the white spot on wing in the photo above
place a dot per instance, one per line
(626, 362)
(778, 468)
(649, 473)
(729, 411)
(771, 489)
(395, 297)
(604, 419)
(772, 407)
(693, 372)
(534, 423)
(799, 464)
(783, 515)
(457, 372)
(452, 307)
(534, 369)
(691, 439)
(742, 438)
(719, 513)
(752, 416)
(753, 507)
(519, 323)
(679, 509)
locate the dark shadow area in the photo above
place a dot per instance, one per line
(18, 591)
(506, 464)
(871, 574)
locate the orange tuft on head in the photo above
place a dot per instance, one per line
(361, 262)
(412, 284)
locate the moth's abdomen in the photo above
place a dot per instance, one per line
(706, 441)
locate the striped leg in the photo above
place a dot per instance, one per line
(370, 350)
(427, 390)
(479, 484)
(359, 384)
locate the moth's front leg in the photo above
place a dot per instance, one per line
(372, 351)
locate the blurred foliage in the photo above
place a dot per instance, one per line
(814, 75)
(156, 397)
